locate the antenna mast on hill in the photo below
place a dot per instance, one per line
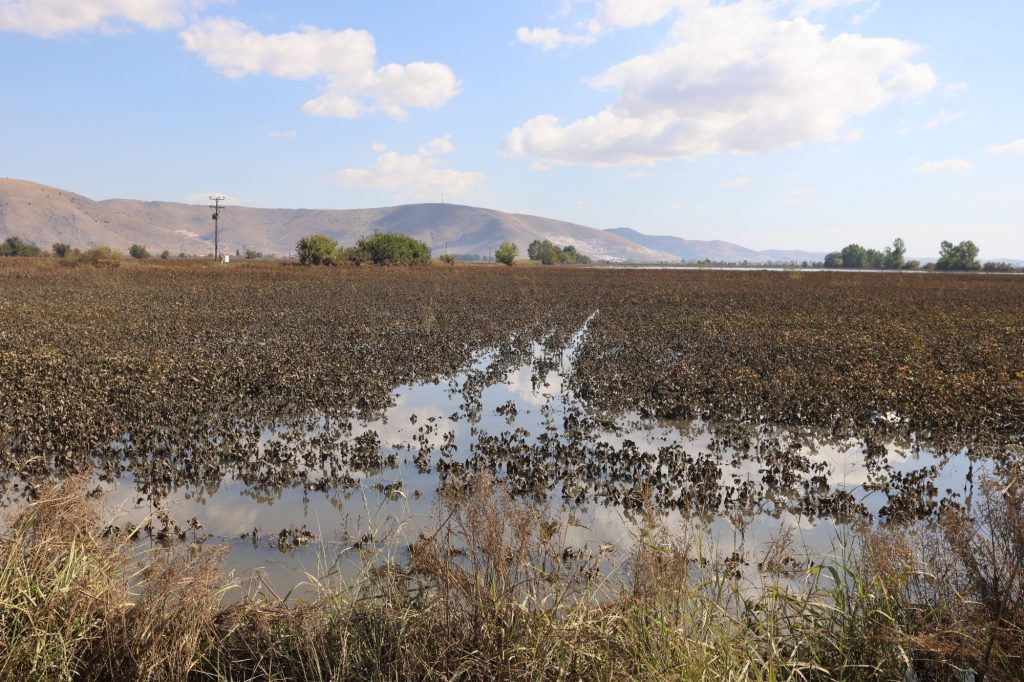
(216, 232)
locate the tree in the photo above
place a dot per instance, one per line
(854, 256)
(533, 250)
(138, 251)
(61, 250)
(390, 248)
(894, 255)
(317, 249)
(506, 253)
(251, 254)
(165, 254)
(962, 256)
(834, 260)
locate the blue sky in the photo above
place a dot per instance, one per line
(771, 123)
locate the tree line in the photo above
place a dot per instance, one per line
(550, 254)
(383, 248)
(962, 257)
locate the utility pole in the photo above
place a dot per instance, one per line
(216, 232)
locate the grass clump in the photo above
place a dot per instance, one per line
(497, 590)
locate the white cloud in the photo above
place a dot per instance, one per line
(345, 61)
(1016, 147)
(415, 176)
(945, 166)
(377, 147)
(952, 89)
(548, 39)
(281, 134)
(943, 118)
(803, 7)
(800, 196)
(52, 18)
(736, 182)
(732, 78)
(439, 145)
(862, 17)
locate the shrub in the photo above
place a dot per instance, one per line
(138, 251)
(506, 253)
(61, 250)
(165, 254)
(97, 256)
(317, 249)
(389, 248)
(447, 259)
(16, 246)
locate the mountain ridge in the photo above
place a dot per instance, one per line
(46, 215)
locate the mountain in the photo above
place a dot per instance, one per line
(46, 215)
(717, 250)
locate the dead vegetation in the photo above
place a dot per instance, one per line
(495, 592)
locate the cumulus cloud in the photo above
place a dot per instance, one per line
(945, 166)
(52, 18)
(344, 61)
(416, 176)
(1016, 147)
(548, 39)
(731, 78)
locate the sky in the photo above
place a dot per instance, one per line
(796, 124)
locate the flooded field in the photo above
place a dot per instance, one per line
(298, 414)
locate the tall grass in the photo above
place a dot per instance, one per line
(495, 592)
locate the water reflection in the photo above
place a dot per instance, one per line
(372, 479)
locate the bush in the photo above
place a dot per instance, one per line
(98, 257)
(165, 254)
(138, 251)
(506, 253)
(447, 259)
(317, 249)
(16, 246)
(389, 248)
(61, 250)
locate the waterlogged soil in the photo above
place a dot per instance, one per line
(302, 413)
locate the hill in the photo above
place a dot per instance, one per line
(716, 250)
(46, 215)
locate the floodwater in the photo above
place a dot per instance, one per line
(291, 535)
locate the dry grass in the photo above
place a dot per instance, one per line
(495, 592)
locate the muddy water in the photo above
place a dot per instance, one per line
(288, 535)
